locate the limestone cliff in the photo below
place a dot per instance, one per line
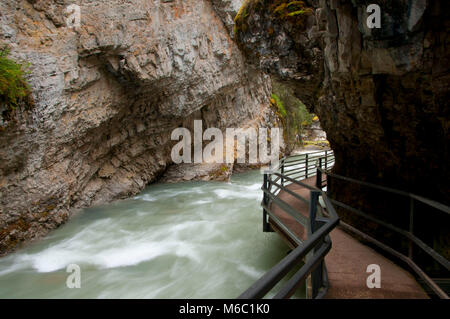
(382, 95)
(108, 95)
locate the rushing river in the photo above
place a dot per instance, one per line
(185, 240)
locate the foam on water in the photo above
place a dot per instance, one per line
(186, 240)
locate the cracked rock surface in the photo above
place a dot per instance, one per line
(108, 95)
(382, 95)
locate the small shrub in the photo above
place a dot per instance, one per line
(305, 117)
(14, 89)
(293, 114)
(279, 104)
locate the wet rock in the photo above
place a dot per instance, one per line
(108, 95)
(381, 94)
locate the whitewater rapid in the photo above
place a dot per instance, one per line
(185, 240)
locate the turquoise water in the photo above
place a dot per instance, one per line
(185, 240)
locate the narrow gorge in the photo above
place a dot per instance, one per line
(107, 96)
(106, 82)
(382, 94)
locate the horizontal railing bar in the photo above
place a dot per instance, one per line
(276, 192)
(295, 158)
(302, 160)
(280, 224)
(292, 285)
(388, 189)
(293, 163)
(296, 175)
(296, 182)
(441, 207)
(312, 166)
(276, 179)
(278, 188)
(314, 152)
(294, 167)
(407, 260)
(295, 172)
(270, 186)
(310, 160)
(330, 152)
(261, 287)
(437, 257)
(374, 219)
(288, 208)
(300, 169)
(432, 203)
(290, 192)
(290, 173)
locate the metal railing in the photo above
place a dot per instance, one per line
(303, 166)
(321, 221)
(318, 226)
(293, 169)
(406, 234)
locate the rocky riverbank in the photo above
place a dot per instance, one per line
(108, 95)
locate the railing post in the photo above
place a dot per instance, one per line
(266, 226)
(319, 175)
(319, 179)
(314, 200)
(411, 226)
(326, 160)
(317, 275)
(282, 172)
(306, 166)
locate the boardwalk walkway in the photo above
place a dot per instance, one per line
(348, 259)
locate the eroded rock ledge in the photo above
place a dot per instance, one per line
(108, 95)
(382, 95)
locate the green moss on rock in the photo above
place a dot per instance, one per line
(293, 12)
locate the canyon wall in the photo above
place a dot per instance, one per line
(108, 95)
(382, 94)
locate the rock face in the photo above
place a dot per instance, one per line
(108, 95)
(382, 95)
